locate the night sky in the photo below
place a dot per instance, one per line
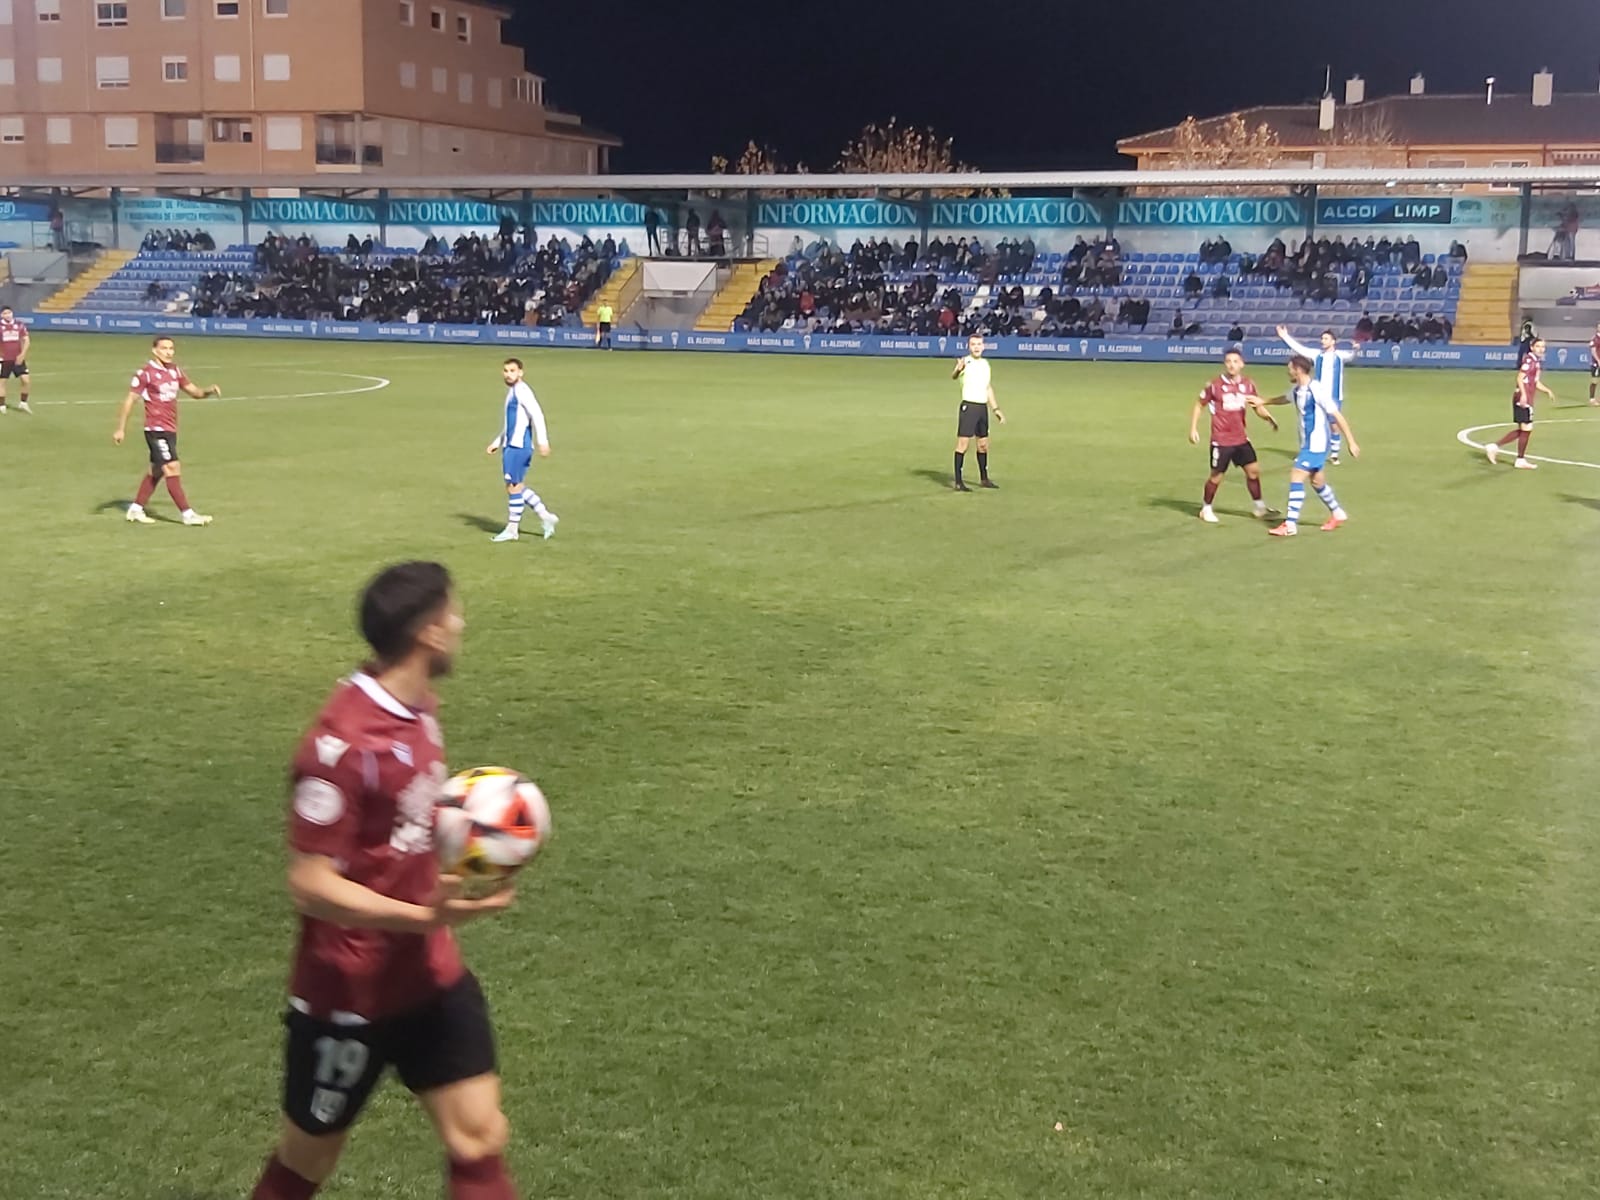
(1047, 85)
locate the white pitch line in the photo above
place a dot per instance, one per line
(1465, 438)
(375, 383)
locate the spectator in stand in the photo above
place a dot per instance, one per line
(652, 231)
(691, 229)
(1236, 333)
(1364, 328)
(1193, 286)
(1432, 330)
(716, 234)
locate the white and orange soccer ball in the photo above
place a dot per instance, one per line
(489, 824)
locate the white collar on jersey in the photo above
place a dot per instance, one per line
(380, 696)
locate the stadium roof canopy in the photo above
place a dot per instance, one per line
(1579, 176)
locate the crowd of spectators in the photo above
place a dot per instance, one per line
(197, 240)
(1431, 328)
(477, 280)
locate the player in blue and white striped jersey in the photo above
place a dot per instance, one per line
(522, 431)
(1318, 419)
(1327, 373)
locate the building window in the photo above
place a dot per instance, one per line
(108, 15)
(275, 8)
(528, 90)
(5, 12)
(225, 68)
(232, 129)
(180, 139)
(11, 130)
(336, 140)
(174, 10)
(430, 138)
(1500, 164)
(48, 10)
(284, 133)
(8, 72)
(227, 8)
(436, 19)
(175, 69)
(58, 131)
(49, 70)
(496, 92)
(463, 29)
(1438, 163)
(111, 71)
(122, 133)
(408, 12)
(275, 67)
(408, 75)
(441, 80)
(464, 88)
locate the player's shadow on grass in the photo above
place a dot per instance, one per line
(121, 506)
(932, 476)
(1586, 501)
(483, 523)
(1190, 509)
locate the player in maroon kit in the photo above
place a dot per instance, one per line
(157, 384)
(1529, 384)
(1228, 398)
(1594, 364)
(14, 342)
(378, 980)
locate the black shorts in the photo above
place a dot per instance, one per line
(605, 326)
(973, 421)
(1521, 414)
(330, 1070)
(163, 447)
(1223, 457)
(19, 369)
(1594, 365)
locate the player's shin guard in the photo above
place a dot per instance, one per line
(147, 488)
(481, 1179)
(1338, 443)
(1211, 492)
(1297, 499)
(1522, 442)
(278, 1182)
(532, 500)
(514, 506)
(1325, 494)
(983, 464)
(961, 461)
(1255, 488)
(175, 490)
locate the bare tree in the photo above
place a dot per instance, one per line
(896, 149)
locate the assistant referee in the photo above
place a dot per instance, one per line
(977, 399)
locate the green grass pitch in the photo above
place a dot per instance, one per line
(893, 826)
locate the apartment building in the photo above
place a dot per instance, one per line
(275, 87)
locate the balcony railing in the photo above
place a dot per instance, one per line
(180, 152)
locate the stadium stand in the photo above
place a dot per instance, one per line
(472, 282)
(963, 286)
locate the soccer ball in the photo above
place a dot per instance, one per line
(488, 825)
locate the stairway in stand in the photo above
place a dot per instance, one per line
(735, 295)
(611, 293)
(1486, 312)
(103, 268)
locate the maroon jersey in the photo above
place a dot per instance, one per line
(158, 387)
(1227, 403)
(1594, 350)
(364, 783)
(12, 334)
(1528, 379)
